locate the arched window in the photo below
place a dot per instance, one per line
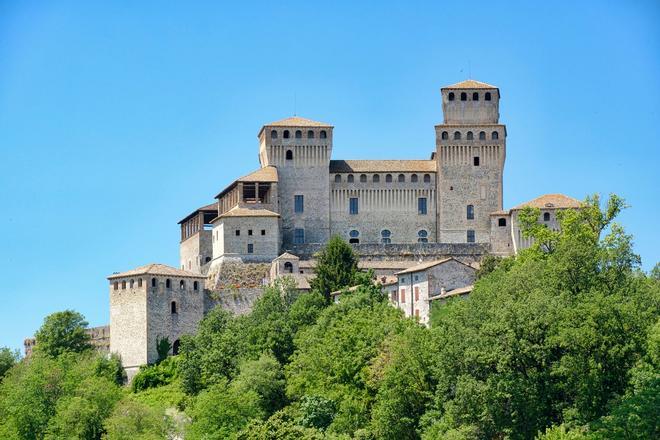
(298, 134)
(131, 283)
(422, 236)
(354, 237)
(195, 285)
(414, 178)
(288, 267)
(470, 212)
(310, 134)
(337, 178)
(350, 178)
(451, 96)
(501, 222)
(182, 284)
(173, 307)
(388, 178)
(475, 96)
(494, 135)
(289, 155)
(273, 134)
(175, 347)
(285, 135)
(385, 236)
(463, 96)
(401, 178)
(470, 136)
(457, 135)
(168, 283)
(363, 178)
(323, 134)
(376, 178)
(445, 135)
(487, 96)
(123, 285)
(546, 216)
(482, 135)
(116, 285)
(153, 282)
(427, 178)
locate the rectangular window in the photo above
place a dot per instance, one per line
(403, 295)
(263, 232)
(470, 212)
(470, 236)
(353, 206)
(299, 203)
(250, 248)
(476, 161)
(416, 293)
(249, 231)
(238, 232)
(421, 206)
(393, 297)
(416, 313)
(299, 236)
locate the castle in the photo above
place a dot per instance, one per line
(431, 219)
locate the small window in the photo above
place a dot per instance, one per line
(350, 178)
(463, 96)
(417, 294)
(299, 203)
(546, 216)
(487, 96)
(421, 206)
(475, 96)
(354, 237)
(168, 283)
(285, 135)
(475, 161)
(263, 232)
(153, 282)
(123, 285)
(470, 236)
(470, 136)
(182, 285)
(207, 259)
(139, 282)
(363, 178)
(495, 135)
(238, 232)
(116, 285)
(323, 134)
(376, 178)
(482, 135)
(414, 178)
(388, 178)
(445, 135)
(401, 178)
(310, 134)
(176, 347)
(385, 236)
(403, 295)
(289, 155)
(337, 178)
(288, 267)
(353, 206)
(298, 134)
(250, 248)
(470, 212)
(195, 285)
(451, 96)
(422, 236)
(501, 222)
(131, 283)
(249, 231)
(273, 134)
(457, 135)
(298, 236)
(173, 307)
(427, 178)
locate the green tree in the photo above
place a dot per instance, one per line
(132, 420)
(63, 332)
(8, 358)
(279, 426)
(336, 267)
(265, 377)
(163, 347)
(152, 376)
(317, 412)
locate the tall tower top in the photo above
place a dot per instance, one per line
(470, 84)
(470, 102)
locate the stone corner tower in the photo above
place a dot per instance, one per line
(470, 151)
(300, 149)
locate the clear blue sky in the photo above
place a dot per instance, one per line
(118, 120)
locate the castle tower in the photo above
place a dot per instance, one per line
(150, 303)
(470, 151)
(300, 149)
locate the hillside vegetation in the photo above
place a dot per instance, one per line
(559, 342)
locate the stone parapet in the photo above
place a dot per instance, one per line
(401, 252)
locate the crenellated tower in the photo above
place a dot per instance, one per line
(470, 152)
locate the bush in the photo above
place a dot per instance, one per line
(152, 376)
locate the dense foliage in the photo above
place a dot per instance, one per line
(561, 342)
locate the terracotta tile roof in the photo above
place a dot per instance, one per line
(428, 264)
(297, 121)
(455, 292)
(213, 207)
(375, 166)
(156, 269)
(302, 280)
(551, 201)
(248, 212)
(470, 84)
(265, 174)
(287, 256)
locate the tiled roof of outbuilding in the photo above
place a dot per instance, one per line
(265, 174)
(382, 166)
(297, 121)
(213, 207)
(551, 201)
(156, 269)
(470, 84)
(247, 212)
(428, 264)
